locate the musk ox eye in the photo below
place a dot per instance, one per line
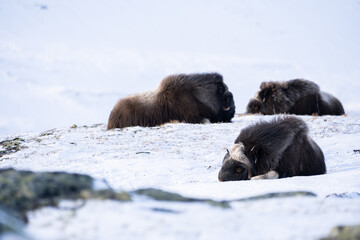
(239, 170)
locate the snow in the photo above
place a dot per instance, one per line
(68, 62)
(186, 158)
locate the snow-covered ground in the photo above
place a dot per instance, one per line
(186, 158)
(67, 62)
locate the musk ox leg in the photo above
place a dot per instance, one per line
(268, 175)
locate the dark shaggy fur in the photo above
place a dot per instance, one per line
(280, 146)
(191, 98)
(296, 96)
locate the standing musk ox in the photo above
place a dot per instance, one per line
(191, 98)
(276, 149)
(296, 96)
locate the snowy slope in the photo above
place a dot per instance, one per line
(186, 158)
(66, 62)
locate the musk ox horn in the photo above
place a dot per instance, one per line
(236, 153)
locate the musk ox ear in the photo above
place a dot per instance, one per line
(264, 85)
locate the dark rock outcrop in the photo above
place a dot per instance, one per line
(11, 146)
(23, 191)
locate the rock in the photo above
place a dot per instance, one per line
(344, 233)
(48, 132)
(11, 146)
(161, 195)
(278, 195)
(25, 190)
(10, 224)
(348, 195)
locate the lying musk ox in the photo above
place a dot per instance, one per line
(276, 149)
(192, 98)
(296, 96)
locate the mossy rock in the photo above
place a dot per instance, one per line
(278, 195)
(161, 195)
(344, 233)
(11, 146)
(9, 223)
(25, 190)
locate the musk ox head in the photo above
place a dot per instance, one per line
(236, 165)
(210, 90)
(268, 99)
(274, 97)
(254, 106)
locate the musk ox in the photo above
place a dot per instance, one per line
(298, 96)
(276, 149)
(191, 98)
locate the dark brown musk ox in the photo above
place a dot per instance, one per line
(190, 98)
(298, 96)
(276, 149)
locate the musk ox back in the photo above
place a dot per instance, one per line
(276, 149)
(296, 96)
(191, 98)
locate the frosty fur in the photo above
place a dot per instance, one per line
(298, 96)
(191, 98)
(276, 149)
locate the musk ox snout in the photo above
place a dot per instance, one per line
(227, 108)
(233, 171)
(228, 101)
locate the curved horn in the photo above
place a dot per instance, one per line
(236, 154)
